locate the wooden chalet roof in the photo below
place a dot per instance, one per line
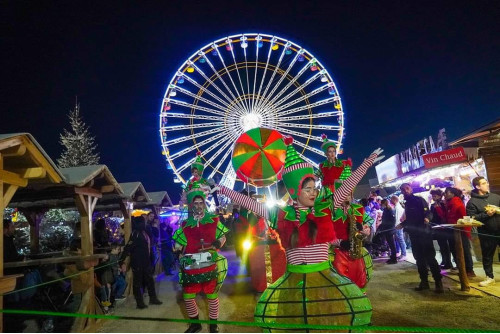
(95, 180)
(478, 133)
(157, 198)
(132, 191)
(24, 158)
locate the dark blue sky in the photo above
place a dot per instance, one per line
(404, 69)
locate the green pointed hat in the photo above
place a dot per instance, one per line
(198, 164)
(196, 189)
(327, 143)
(296, 170)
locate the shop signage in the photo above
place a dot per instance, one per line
(491, 140)
(444, 157)
(411, 158)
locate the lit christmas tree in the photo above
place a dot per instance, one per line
(79, 146)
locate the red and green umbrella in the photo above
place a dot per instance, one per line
(258, 156)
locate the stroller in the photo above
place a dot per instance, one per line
(378, 246)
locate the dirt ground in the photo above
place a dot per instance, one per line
(391, 293)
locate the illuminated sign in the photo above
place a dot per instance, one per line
(444, 157)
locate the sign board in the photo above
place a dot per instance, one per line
(444, 157)
(491, 140)
(389, 169)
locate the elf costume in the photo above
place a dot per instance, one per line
(198, 179)
(311, 291)
(332, 174)
(359, 270)
(200, 237)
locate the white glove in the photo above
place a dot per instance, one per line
(211, 182)
(214, 189)
(379, 158)
(378, 151)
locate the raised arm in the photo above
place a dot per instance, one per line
(248, 203)
(348, 185)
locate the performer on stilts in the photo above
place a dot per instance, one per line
(196, 176)
(332, 171)
(311, 292)
(202, 269)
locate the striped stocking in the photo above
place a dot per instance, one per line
(191, 308)
(213, 308)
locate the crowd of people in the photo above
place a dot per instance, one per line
(319, 234)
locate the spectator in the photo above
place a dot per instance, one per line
(10, 253)
(398, 234)
(415, 221)
(139, 250)
(101, 234)
(455, 210)
(484, 207)
(444, 236)
(386, 229)
(167, 255)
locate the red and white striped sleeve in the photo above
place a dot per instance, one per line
(352, 181)
(247, 202)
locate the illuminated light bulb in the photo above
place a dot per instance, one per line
(173, 92)
(300, 58)
(244, 44)
(215, 52)
(337, 106)
(247, 244)
(190, 69)
(259, 44)
(288, 51)
(331, 91)
(203, 60)
(275, 47)
(324, 78)
(180, 80)
(166, 107)
(314, 67)
(229, 47)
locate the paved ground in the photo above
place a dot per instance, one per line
(394, 302)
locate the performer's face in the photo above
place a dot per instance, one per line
(195, 172)
(308, 194)
(330, 153)
(198, 206)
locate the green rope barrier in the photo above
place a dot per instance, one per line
(252, 324)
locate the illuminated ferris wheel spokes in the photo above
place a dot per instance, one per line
(241, 82)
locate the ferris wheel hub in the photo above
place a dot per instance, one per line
(250, 120)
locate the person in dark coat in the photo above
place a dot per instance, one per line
(415, 222)
(485, 207)
(139, 250)
(387, 229)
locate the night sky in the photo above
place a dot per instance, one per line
(404, 69)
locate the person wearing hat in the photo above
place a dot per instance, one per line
(333, 171)
(311, 291)
(196, 176)
(202, 269)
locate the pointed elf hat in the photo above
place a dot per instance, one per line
(296, 170)
(198, 164)
(327, 143)
(196, 189)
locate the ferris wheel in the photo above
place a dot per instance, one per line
(241, 82)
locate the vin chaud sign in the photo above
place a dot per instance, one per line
(444, 157)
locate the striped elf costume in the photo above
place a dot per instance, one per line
(310, 291)
(201, 233)
(332, 174)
